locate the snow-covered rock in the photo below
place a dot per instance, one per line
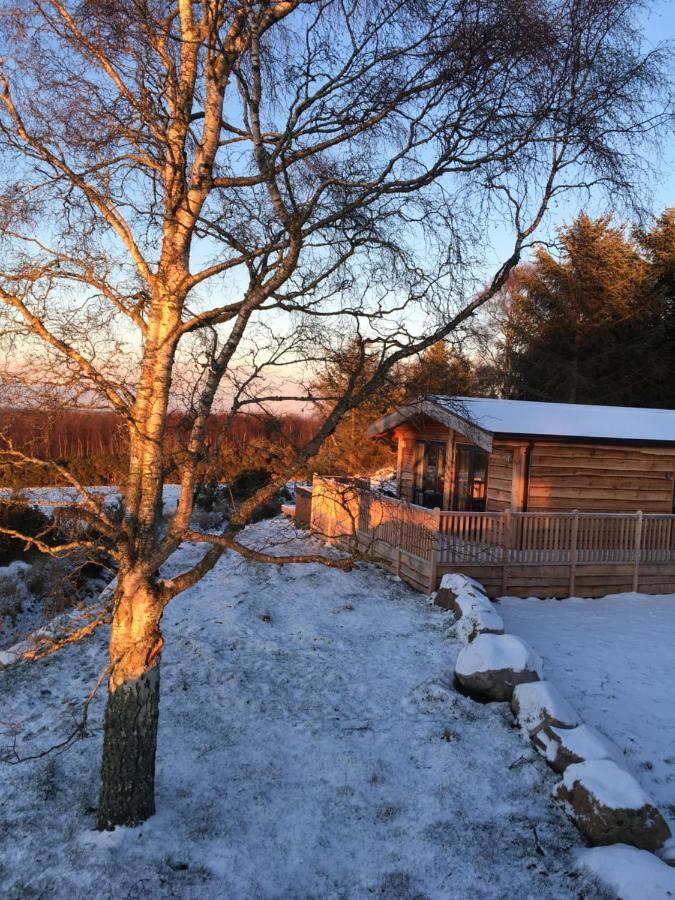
(538, 704)
(452, 585)
(493, 664)
(608, 806)
(629, 873)
(457, 582)
(476, 615)
(566, 746)
(667, 852)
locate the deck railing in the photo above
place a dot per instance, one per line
(403, 534)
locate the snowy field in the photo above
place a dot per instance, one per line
(311, 746)
(614, 660)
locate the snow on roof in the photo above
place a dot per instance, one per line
(529, 417)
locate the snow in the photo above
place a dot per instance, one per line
(611, 785)
(457, 583)
(311, 745)
(492, 652)
(477, 614)
(539, 702)
(530, 417)
(633, 874)
(584, 742)
(613, 659)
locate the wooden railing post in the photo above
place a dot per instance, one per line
(573, 551)
(506, 547)
(638, 549)
(435, 546)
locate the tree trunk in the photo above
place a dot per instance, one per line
(132, 709)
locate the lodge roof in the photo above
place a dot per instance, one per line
(481, 418)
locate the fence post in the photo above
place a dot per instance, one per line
(638, 549)
(573, 551)
(506, 547)
(435, 543)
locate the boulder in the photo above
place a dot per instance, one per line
(564, 747)
(667, 853)
(492, 665)
(454, 584)
(608, 806)
(627, 872)
(538, 704)
(475, 615)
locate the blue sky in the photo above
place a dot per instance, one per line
(660, 26)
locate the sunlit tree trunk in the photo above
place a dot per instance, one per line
(132, 709)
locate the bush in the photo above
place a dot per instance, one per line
(210, 496)
(16, 514)
(14, 591)
(248, 481)
(57, 582)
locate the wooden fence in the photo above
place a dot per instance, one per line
(544, 554)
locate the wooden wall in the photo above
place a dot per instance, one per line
(500, 486)
(562, 476)
(551, 581)
(611, 478)
(500, 479)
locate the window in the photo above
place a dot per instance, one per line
(470, 488)
(430, 473)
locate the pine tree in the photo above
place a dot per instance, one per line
(349, 451)
(658, 247)
(582, 328)
(441, 370)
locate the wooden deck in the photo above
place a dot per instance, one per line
(522, 554)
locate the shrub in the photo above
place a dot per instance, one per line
(14, 591)
(16, 514)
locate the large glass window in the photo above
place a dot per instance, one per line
(430, 473)
(470, 488)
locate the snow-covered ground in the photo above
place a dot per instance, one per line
(614, 660)
(311, 745)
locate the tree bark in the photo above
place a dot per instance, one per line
(132, 710)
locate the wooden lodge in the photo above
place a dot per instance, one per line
(542, 499)
(485, 455)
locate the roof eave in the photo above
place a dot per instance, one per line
(479, 436)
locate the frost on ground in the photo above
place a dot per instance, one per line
(311, 745)
(613, 660)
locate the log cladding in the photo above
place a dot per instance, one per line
(500, 478)
(603, 478)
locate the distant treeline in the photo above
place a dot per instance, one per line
(93, 445)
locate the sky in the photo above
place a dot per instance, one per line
(659, 25)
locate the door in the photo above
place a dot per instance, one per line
(430, 474)
(470, 489)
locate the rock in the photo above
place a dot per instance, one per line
(608, 806)
(628, 873)
(493, 664)
(454, 584)
(667, 852)
(475, 615)
(538, 704)
(565, 746)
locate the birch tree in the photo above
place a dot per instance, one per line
(195, 194)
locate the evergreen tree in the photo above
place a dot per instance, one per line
(441, 370)
(349, 451)
(658, 247)
(582, 328)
